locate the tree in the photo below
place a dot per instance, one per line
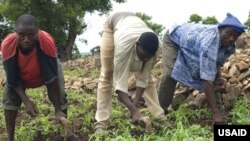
(62, 18)
(157, 28)
(210, 20)
(76, 53)
(195, 18)
(5, 28)
(247, 23)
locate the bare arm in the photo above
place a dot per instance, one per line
(139, 93)
(54, 93)
(211, 101)
(30, 107)
(21, 92)
(123, 97)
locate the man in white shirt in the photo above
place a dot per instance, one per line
(128, 46)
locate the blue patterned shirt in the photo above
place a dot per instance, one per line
(199, 53)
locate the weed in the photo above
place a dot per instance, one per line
(241, 112)
(95, 73)
(74, 73)
(81, 112)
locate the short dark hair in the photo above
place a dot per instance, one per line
(149, 42)
(26, 20)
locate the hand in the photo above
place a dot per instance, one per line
(217, 118)
(136, 116)
(58, 115)
(31, 109)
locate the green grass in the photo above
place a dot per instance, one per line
(75, 73)
(191, 124)
(241, 112)
(95, 73)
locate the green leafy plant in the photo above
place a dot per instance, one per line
(241, 112)
(190, 124)
(74, 73)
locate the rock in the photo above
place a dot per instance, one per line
(196, 101)
(247, 87)
(232, 70)
(243, 66)
(241, 42)
(90, 87)
(225, 75)
(236, 74)
(244, 75)
(158, 64)
(227, 87)
(233, 80)
(234, 91)
(227, 101)
(245, 82)
(195, 92)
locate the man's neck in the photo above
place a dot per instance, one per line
(27, 51)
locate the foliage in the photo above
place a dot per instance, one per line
(95, 73)
(75, 73)
(210, 20)
(5, 28)
(195, 18)
(2, 124)
(241, 112)
(76, 53)
(247, 23)
(63, 19)
(157, 28)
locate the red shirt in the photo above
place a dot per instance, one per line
(33, 70)
(30, 69)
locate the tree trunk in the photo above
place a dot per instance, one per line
(61, 52)
(69, 45)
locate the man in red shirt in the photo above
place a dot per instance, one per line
(30, 61)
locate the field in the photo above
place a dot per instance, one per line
(191, 124)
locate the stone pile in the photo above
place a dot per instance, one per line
(86, 63)
(84, 83)
(235, 74)
(81, 84)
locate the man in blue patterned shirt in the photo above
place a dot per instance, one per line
(193, 54)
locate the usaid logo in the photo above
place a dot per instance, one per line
(223, 132)
(232, 132)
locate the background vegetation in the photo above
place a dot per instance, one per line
(191, 124)
(65, 20)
